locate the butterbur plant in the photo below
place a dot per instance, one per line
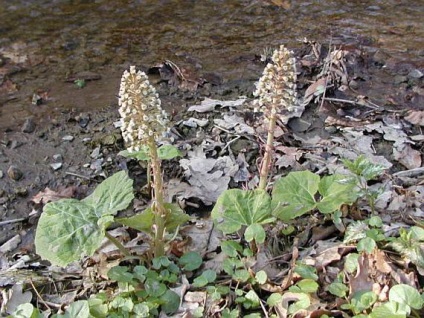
(276, 92)
(144, 123)
(70, 229)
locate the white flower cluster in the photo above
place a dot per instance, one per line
(140, 109)
(276, 88)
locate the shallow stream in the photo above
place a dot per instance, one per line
(42, 43)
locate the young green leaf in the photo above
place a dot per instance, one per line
(338, 289)
(274, 299)
(294, 195)
(78, 309)
(120, 274)
(144, 220)
(366, 244)
(235, 208)
(142, 155)
(307, 286)
(391, 309)
(335, 191)
(407, 295)
(306, 271)
(207, 277)
(171, 302)
(26, 310)
(167, 152)
(190, 261)
(261, 277)
(255, 232)
(231, 248)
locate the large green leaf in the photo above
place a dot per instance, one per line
(143, 221)
(70, 229)
(335, 191)
(293, 195)
(235, 208)
(112, 195)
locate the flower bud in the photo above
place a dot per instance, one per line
(141, 114)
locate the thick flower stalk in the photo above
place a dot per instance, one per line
(276, 92)
(143, 124)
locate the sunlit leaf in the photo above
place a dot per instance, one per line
(261, 277)
(274, 299)
(77, 309)
(366, 244)
(334, 193)
(70, 229)
(236, 208)
(112, 195)
(294, 195)
(167, 152)
(405, 294)
(142, 155)
(306, 271)
(338, 289)
(144, 220)
(255, 232)
(390, 309)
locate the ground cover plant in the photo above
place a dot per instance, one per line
(270, 262)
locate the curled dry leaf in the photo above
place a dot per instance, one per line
(49, 195)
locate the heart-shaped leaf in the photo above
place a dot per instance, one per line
(70, 229)
(236, 208)
(293, 195)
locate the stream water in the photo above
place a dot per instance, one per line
(44, 42)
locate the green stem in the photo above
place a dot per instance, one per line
(158, 206)
(117, 244)
(268, 151)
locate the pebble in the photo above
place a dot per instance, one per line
(56, 165)
(415, 74)
(1, 176)
(68, 138)
(28, 126)
(95, 153)
(57, 157)
(14, 173)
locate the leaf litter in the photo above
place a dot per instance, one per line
(222, 142)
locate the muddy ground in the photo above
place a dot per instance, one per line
(62, 147)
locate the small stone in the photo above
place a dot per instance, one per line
(29, 125)
(416, 74)
(1, 176)
(36, 100)
(57, 157)
(15, 144)
(56, 165)
(14, 173)
(95, 153)
(68, 138)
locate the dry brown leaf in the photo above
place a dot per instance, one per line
(407, 156)
(48, 195)
(415, 117)
(361, 281)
